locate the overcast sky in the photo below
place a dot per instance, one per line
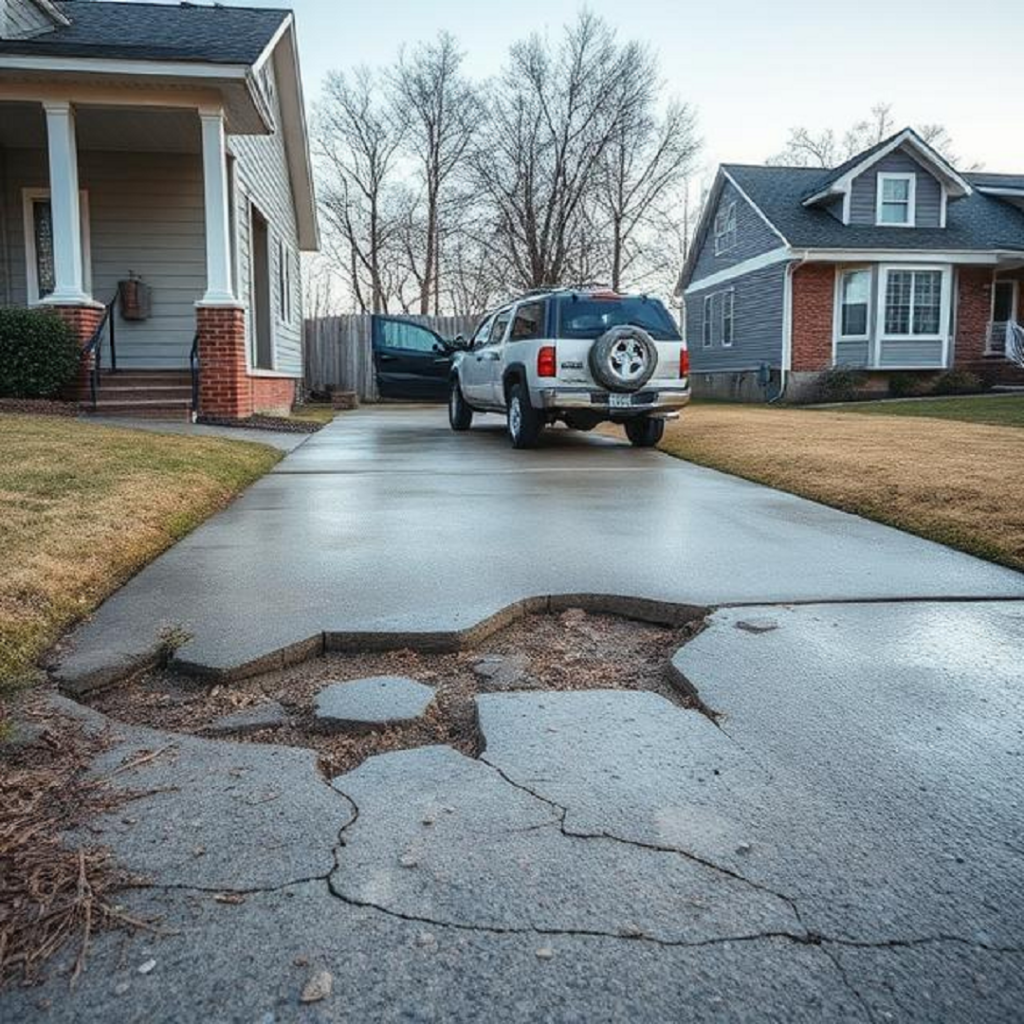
(752, 68)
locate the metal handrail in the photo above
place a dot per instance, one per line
(193, 365)
(94, 349)
(1015, 344)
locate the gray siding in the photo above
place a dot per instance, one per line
(262, 178)
(146, 216)
(753, 237)
(864, 191)
(852, 353)
(758, 322)
(910, 354)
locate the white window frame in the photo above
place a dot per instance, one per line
(945, 300)
(729, 303)
(911, 178)
(28, 198)
(841, 276)
(726, 230)
(707, 332)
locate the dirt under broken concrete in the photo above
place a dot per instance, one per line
(573, 650)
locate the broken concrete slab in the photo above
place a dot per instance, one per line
(252, 719)
(892, 736)
(371, 703)
(246, 963)
(215, 814)
(494, 856)
(504, 672)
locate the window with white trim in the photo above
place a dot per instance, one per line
(854, 300)
(913, 304)
(896, 197)
(38, 227)
(725, 229)
(706, 324)
(728, 317)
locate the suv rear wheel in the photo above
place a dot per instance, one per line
(644, 432)
(524, 422)
(460, 415)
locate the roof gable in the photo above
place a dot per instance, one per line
(839, 180)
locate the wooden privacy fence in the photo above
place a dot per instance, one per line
(338, 350)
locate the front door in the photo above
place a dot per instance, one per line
(1004, 308)
(410, 360)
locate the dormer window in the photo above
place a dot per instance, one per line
(725, 229)
(896, 198)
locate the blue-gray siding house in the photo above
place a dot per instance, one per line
(892, 262)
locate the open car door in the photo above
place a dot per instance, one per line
(410, 361)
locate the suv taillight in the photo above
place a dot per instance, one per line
(684, 362)
(546, 362)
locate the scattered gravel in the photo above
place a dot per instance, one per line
(571, 651)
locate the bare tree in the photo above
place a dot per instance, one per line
(645, 166)
(440, 108)
(552, 116)
(827, 148)
(357, 140)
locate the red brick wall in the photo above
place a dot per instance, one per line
(224, 388)
(973, 309)
(84, 320)
(813, 303)
(274, 395)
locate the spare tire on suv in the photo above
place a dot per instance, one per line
(624, 358)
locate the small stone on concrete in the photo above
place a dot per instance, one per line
(372, 703)
(146, 967)
(121, 988)
(317, 988)
(545, 953)
(259, 716)
(763, 625)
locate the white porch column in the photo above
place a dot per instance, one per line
(64, 207)
(219, 290)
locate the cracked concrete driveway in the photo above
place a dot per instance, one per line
(842, 841)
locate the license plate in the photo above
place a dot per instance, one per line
(616, 401)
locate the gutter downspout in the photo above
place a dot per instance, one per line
(787, 327)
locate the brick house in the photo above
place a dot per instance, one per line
(156, 192)
(893, 263)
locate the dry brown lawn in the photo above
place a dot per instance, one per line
(961, 484)
(84, 507)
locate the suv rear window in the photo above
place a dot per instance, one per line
(583, 316)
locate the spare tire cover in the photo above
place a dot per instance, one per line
(623, 358)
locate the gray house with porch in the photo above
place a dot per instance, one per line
(155, 179)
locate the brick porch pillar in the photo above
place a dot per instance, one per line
(813, 300)
(973, 312)
(83, 320)
(224, 388)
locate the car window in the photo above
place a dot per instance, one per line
(588, 316)
(406, 336)
(482, 333)
(498, 330)
(529, 322)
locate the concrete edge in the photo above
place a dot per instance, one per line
(656, 612)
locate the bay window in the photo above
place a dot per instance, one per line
(913, 304)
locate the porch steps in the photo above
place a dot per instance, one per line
(155, 394)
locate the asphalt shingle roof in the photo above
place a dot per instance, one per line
(973, 222)
(147, 31)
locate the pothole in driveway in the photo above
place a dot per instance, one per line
(573, 650)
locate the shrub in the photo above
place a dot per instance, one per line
(839, 384)
(958, 382)
(903, 385)
(39, 353)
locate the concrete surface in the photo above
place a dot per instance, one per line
(284, 440)
(387, 520)
(377, 701)
(844, 843)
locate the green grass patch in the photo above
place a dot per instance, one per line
(996, 410)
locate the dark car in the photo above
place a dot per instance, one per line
(410, 360)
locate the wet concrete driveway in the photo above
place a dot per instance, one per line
(388, 521)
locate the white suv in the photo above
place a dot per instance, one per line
(581, 356)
